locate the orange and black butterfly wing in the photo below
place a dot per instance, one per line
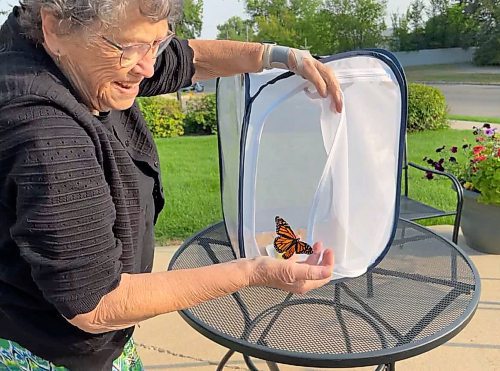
(287, 242)
(288, 247)
(290, 251)
(282, 244)
(285, 246)
(303, 248)
(283, 229)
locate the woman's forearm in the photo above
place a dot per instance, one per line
(142, 296)
(218, 58)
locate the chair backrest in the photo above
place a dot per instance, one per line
(405, 167)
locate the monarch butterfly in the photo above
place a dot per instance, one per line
(287, 243)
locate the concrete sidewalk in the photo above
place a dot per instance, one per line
(468, 125)
(168, 343)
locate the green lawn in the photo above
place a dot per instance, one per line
(191, 180)
(451, 73)
(190, 171)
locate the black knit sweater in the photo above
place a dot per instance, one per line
(73, 189)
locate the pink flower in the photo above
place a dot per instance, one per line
(480, 158)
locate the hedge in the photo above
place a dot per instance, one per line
(164, 116)
(201, 117)
(427, 108)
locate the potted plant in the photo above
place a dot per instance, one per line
(479, 173)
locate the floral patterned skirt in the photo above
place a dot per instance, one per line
(14, 357)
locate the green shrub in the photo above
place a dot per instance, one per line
(488, 53)
(201, 117)
(426, 108)
(164, 116)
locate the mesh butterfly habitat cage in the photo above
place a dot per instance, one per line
(333, 177)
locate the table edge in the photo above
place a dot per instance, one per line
(346, 359)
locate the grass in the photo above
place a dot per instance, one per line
(190, 171)
(482, 119)
(450, 73)
(436, 192)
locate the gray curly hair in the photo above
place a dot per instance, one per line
(107, 12)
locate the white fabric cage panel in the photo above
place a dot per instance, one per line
(333, 177)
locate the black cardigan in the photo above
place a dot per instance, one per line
(70, 200)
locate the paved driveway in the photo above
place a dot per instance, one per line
(472, 100)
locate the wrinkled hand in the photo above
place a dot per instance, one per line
(288, 275)
(304, 64)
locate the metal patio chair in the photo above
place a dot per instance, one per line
(411, 209)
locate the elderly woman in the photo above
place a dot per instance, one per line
(80, 185)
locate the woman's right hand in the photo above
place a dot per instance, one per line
(291, 276)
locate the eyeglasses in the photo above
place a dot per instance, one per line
(132, 54)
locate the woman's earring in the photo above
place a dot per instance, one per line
(58, 57)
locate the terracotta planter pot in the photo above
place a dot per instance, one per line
(480, 224)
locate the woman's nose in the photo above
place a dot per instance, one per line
(146, 66)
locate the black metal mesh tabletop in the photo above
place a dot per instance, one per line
(423, 293)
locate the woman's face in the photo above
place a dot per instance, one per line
(93, 65)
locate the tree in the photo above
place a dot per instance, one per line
(322, 26)
(401, 34)
(450, 26)
(320, 34)
(415, 16)
(289, 22)
(191, 23)
(437, 7)
(309, 25)
(275, 21)
(356, 24)
(487, 14)
(236, 28)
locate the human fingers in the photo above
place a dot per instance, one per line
(308, 272)
(303, 63)
(291, 276)
(303, 287)
(328, 259)
(322, 77)
(332, 86)
(325, 82)
(315, 257)
(327, 262)
(309, 70)
(313, 278)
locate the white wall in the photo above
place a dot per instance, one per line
(436, 56)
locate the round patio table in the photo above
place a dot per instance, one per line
(423, 293)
